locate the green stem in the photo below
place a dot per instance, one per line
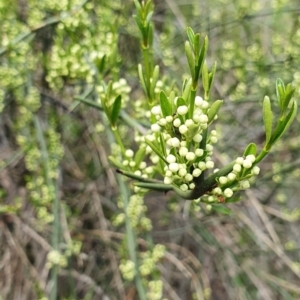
(192, 102)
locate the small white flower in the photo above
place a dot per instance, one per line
(216, 170)
(251, 157)
(198, 101)
(171, 158)
(203, 119)
(190, 156)
(149, 170)
(202, 165)
(223, 179)
(255, 170)
(213, 139)
(177, 122)
(125, 162)
(173, 167)
(150, 137)
(209, 147)
(138, 173)
(183, 151)
(142, 165)
(182, 110)
(129, 153)
(182, 172)
(213, 133)
(199, 152)
(197, 138)
(175, 142)
(188, 177)
(247, 164)
(162, 122)
(189, 122)
(169, 119)
(196, 118)
(237, 168)
(192, 185)
(183, 143)
(210, 164)
(155, 127)
(217, 191)
(239, 160)
(244, 184)
(196, 172)
(168, 173)
(154, 159)
(228, 193)
(132, 164)
(148, 149)
(183, 129)
(205, 105)
(155, 110)
(167, 180)
(231, 176)
(148, 114)
(184, 187)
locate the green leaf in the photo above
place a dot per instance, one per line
(233, 199)
(268, 118)
(190, 58)
(187, 90)
(162, 144)
(251, 149)
(192, 131)
(205, 78)
(197, 44)
(140, 25)
(180, 102)
(289, 91)
(212, 75)
(138, 7)
(280, 91)
(155, 149)
(191, 35)
(214, 110)
(116, 108)
(154, 186)
(142, 79)
(221, 209)
(139, 156)
(165, 104)
(116, 162)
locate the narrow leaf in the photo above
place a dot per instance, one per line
(191, 35)
(190, 58)
(221, 209)
(205, 78)
(165, 104)
(197, 44)
(116, 162)
(212, 75)
(115, 111)
(154, 186)
(156, 150)
(139, 156)
(214, 110)
(187, 90)
(280, 91)
(180, 102)
(288, 96)
(268, 118)
(251, 149)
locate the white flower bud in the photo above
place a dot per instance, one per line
(205, 105)
(171, 158)
(177, 122)
(192, 185)
(132, 164)
(197, 172)
(209, 147)
(239, 160)
(217, 191)
(197, 138)
(231, 176)
(173, 167)
(190, 156)
(129, 153)
(154, 159)
(202, 165)
(244, 184)
(155, 110)
(183, 143)
(162, 122)
(184, 187)
(255, 170)
(213, 139)
(169, 119)
(213, 133)
(155, 127)
(168, 173)
(228, 193)
(182, 172)
(247, 164)
(223, 180)
(183, 151)
(149, 170)
(199, 152)
(142, 165)
(189, 122)
(167, 180)
(138, 173)
(175, 142)
(210, 164)
(182, 110)
(237, 168)
(183, 129)
(251, 157)
(203, 119)
(188, 177)
(198, 101)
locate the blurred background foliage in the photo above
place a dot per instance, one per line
(59, 195)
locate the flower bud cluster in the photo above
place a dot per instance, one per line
(127, 269)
